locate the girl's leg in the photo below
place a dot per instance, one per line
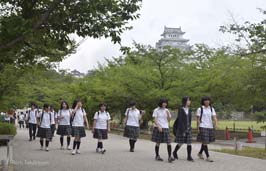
(62, 141)
(169, 150)
(157, 147)
(189, 150)
(78, 144)
(177, 147)
(41, 142)
(47, 144)
(68, 142)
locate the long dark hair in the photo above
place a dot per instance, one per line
(75, 103)
(64, 102)
(184, 100)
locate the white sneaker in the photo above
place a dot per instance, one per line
(78, 152)
(41, 148)
(73, 152)
(98, 150)
(46, 149)
(68, 148)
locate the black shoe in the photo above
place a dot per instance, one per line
(30, 139)
(158, 158)
(175, 155)
(190, 159)
(131, 150)
(34, 138)
(171, 159)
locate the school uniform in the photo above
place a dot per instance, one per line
(206, 129)
(184, 130)
(78, 129)
(101, 127)
(44, 130)
(21, 120)
(164, 136)
(132, 124)
(32, 122)
(53, 123)
(64, 128)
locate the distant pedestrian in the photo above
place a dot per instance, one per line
(21, 118)
(64, 128)
(32, 121)
(132, 124)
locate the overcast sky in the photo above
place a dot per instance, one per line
(200, 19)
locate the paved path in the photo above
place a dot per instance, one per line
(28, 157)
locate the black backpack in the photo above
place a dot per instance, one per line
(175, 126)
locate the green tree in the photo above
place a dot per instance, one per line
(39, 31)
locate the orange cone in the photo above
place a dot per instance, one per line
(227, 134)
(250, 136)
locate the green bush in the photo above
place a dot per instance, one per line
(7, 129)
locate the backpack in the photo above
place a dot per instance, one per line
(42, 118)
(175, 126)
(201, 112)
(98, 113)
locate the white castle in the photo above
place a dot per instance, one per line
(173, 37)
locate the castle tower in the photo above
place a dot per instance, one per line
(173, 37)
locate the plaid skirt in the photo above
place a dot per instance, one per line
(131, 132)
(185, 138)
(101, 134)
(44, 133)
(161, 137)
(78, 131)
(63, 130)
(206, 135)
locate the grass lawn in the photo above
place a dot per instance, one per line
(246, 151)
(222, 124)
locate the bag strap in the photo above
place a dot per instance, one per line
(128, 109)
(201, 112)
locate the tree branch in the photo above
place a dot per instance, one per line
(42, 20)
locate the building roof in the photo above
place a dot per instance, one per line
(168, 30)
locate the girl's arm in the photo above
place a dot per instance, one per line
(93, 126)
(86, 120)
(215, 121)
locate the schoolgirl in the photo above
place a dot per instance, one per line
(131, 122)
(206, 123)
(32, 121)
(78, 128)
(161, 133)
(53, 127)
(44, 126)
(101, 127)
(183, 128)
(64, 128)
